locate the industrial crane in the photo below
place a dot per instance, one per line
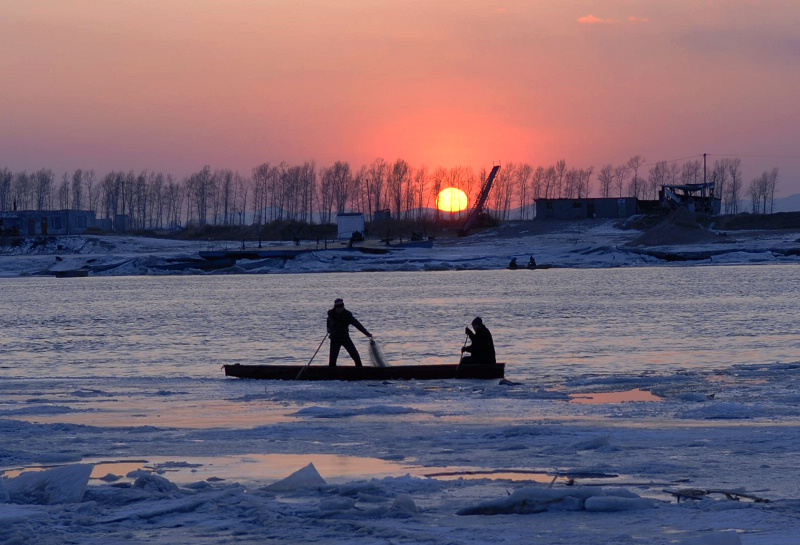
(477, 210)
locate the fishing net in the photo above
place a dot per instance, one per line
(376, 356)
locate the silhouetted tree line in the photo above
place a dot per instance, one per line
(304, 193)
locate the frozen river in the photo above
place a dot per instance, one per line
(634, 379)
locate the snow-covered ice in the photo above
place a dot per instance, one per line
(587, 243)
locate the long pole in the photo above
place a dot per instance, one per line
(312, 358)
(461, 358)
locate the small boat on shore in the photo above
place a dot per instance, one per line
(72, 273)
(400, 372)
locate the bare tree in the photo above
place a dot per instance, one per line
(636, 185)
(360, 191)
(538, 183)
(139, 209)
(308, 185)
(500, 195)
(399, 176)
(719, 176)
(6, 177)
(757, 189)
(342, 179)
(771, 178)
(43, 184)
(77, 190)
(691, 171)
(560, 172)
(657, 177)
(111, 189)
(420, 182)
(438, 180)
(620, 175)
(734, 190)
(327, 194)
(376, 185)
(200, 188)
(549, 183)
(463, 178)
(606, 179)
(224, 196)
(242, 186)
(156, 200)
(522, 178)
(21, 191)
(262, 174)
(92, 192)
(174, 198)
(63, 192)
(571, 184)
(585, 183)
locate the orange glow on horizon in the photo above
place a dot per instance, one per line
(452, 199)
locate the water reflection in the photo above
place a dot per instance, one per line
(613, 397)
(271, 467)
(567, 322)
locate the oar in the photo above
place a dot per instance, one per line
(312, 358)
(461, 358)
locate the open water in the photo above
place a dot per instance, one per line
(546, 323)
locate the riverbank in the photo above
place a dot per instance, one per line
(565, 244)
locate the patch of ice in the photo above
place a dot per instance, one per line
(330, 412)
(3, 492)
(154, 483)
(717, 538)
(337, 504)
(405, 503)
(537, 500)
(38, 410)
(593, 443)
(11, 514)
(725, 411)
(609, 504)
(65, 484)
(58, 457)
(307, 477)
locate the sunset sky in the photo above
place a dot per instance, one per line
(172, 85)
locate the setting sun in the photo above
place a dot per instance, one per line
(452, 199)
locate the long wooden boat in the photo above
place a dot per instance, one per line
(350, 372)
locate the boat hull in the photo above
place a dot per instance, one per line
(401, 372)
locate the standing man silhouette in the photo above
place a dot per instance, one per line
(339, 322)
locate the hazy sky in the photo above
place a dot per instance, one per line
(172, 85)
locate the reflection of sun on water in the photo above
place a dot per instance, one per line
(452, 199)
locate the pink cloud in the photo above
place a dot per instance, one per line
(592, 20)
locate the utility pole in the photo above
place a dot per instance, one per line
(704, 167)
(704, 174)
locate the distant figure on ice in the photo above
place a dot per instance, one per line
(531, 263)
(481, 348)
(513, 263)
(339, 322)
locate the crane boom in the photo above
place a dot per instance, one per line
(478, 208)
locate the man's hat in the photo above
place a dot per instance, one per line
(477, 321)
(339, 302)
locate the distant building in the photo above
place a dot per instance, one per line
(350, 223)
(383, 214)
(573, 209)
(698, 198)
(46, 222)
